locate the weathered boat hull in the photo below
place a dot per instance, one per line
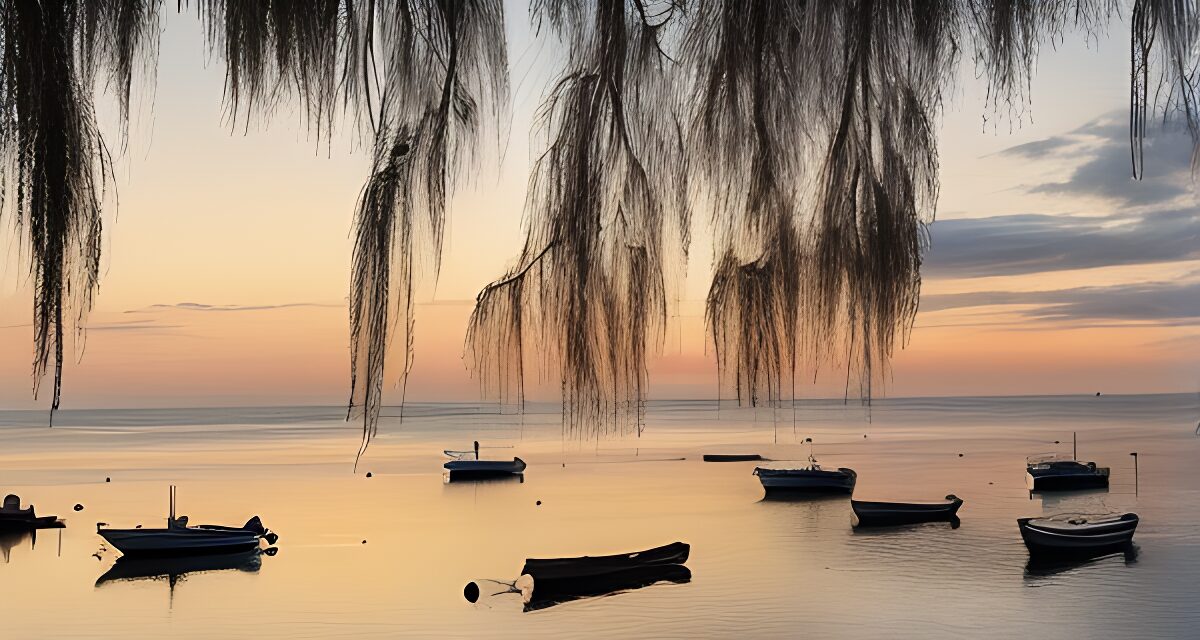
(558, 580)
(1044, 539)
(806, 481)
(879, 514)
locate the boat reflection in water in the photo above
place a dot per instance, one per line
(545, 583)
(9, 540)
(1044, 567)
(175, 568)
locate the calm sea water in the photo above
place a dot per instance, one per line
(388, 556)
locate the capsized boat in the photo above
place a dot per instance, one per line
(14, 518)
(560, 579)
(1073, 535)
(1054, 472)
(470, 469)
(874, 514)
(808, 479)
(179, 538)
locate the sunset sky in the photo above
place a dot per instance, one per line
(226, 269)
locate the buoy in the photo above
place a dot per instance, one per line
(108, 479)
(368, 474)
(960, 455)
(539, 503)
(79, 507)
(364, 541)
(471, 592)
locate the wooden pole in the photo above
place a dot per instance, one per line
(1074, 447)
(1135, 472)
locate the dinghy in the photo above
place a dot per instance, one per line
(1070, 535)
(14, 518)
(181, 539)
(876, 514)
(561, 579)
(471, 469)
(808, 479)
(1058, 473)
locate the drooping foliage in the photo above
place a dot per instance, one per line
(588, 292)
(805, 130)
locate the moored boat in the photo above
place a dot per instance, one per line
(560, 579)
(467, 469)
(732, 457)
(809, 479)
(14, 518)
(873, 514)
(1070, 535)
(1059, 473)
(179, 538)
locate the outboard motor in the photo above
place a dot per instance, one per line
(255, 524)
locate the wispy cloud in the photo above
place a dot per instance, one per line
(1158, 303)
(195, 306)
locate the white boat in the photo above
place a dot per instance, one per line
(808, 479)
(178, 538)
(1077, 535)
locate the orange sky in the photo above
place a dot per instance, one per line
(256, 225)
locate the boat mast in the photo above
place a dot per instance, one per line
(171, 517)
(1074, 446)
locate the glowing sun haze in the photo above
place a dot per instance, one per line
(227, 267)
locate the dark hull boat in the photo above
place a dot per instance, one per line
(809, 480)
(480, 469)
(180, 539)
(1077, 536)
(1050, 474)
(14, 518)
(561, 579)
(732, 457)
(877, 514)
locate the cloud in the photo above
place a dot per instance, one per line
(1033, 243)
(1160, 303)
(195, 306)
(135, 325)
(1105, 169)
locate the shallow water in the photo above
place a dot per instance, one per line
(759, 568)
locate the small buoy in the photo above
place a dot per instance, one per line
(138, 527)
(960, 455)
(864, 435)
(368, 474)
(108, 479)
(539, 503)
(79, 507)
(471, 592)
(991, 483)
(1057, 442)
(1097, 394)
(364, 541)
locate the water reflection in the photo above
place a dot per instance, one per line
(553, 592)
(1040, 568)
(472, 477)
(174, 569)
(11, 539)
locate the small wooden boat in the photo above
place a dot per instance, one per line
(732, 457)
(809, 479)
(587, 566)
(1058, 473)
(178, 538)
(561, 579)
(14, 518)
(874, 514)
(1077, 535)
(468, 469)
